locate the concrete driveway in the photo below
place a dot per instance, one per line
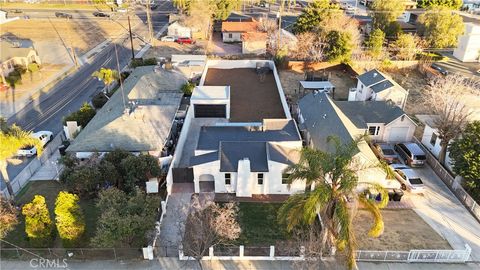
(217, 47)
(439, 207)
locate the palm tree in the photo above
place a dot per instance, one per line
(12, 139)
(331, 179)
(107, 76)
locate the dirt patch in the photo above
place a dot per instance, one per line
(415, 83)
(253, 97)
(81, 34)
(404, 230)
(340, 77)
(166, 49)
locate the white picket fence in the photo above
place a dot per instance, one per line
(416, 255)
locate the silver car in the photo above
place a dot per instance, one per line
(408, 178)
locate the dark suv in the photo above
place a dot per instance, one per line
(100, 14)
(411, 154)
(63, 15)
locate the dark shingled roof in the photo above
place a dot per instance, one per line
(232, 152)
(211, 136)
(363, 112)
(371, 77)
(379, 87)
(321, 121)
(205, 158)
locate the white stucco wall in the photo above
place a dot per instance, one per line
(235, 36)
(434, 148)
(468, 48)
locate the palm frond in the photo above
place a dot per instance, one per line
(292, 211)
(346, 240)
(15, 138)
(377, 228)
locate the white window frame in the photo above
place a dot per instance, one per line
(377, 130)
(229, 179)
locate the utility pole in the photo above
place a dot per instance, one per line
(131, 37)
(149, 21)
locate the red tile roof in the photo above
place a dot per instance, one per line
(254, 36)
(239, 26)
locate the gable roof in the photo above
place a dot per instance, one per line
(383, 85)
(232, 152)
(146, 127)
(239, 26)
(9, 50)
(321, 120)
(371, 77)
(361, 113)
(254, 36)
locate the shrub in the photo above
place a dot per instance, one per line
(82, 116)
(33, 67)
(20, 69)
(38, 224)
(99, 100)
(69, 218)
(138, 62)
(187, 88)
(8, 216)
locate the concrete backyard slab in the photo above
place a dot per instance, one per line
(445, 214)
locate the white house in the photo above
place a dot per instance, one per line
(238, 136)
(18, 52)
(320, 117)
(177, 30)
(374, 85)
(468, 48)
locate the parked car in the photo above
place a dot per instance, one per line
(440, 69)
(100, 14)
(408, 178)
(184, 40)
(385, 152)
(15, 11)
(168, 39)
(63, 15)
(44, 137)
(411, 154)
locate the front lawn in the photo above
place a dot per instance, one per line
(50, 190)
(259, 224)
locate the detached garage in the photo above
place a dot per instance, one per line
(211, 102)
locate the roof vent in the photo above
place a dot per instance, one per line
(324, 116)
(375, 74)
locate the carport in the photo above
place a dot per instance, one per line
(325, 86)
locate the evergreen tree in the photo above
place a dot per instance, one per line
(69, 218)
(38, 224)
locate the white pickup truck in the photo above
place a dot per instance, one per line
(44, 137)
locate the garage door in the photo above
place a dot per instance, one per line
(398, 134)
(210, 111)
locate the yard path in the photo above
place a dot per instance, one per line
(445, 214)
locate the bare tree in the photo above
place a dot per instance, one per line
(8, 216)
(447, 98)
(208, 224)
(309, 48)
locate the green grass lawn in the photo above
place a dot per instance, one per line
(50, 189)
(259, 224)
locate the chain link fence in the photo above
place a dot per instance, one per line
(72, 253)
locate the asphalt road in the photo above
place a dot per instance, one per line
(69, 94)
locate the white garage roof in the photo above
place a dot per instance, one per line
(211, 93)
(317, 85)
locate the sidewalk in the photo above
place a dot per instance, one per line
(174, 264)
(50, 170)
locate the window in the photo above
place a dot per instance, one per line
(230, 35)
(228, 179)
(433, 140)
(260, 178)
(373, 130)
(285, 177)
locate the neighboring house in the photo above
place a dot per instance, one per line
(468, 48)
(16, 53)
(471, 5)
(143, 123)
(430, 134)
(232, 31)
(177, 30)
(254, 43)
(4, 17)
(374, 85)
(238, 136)
(320, 117)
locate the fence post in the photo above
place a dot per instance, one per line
(18, 253)
(241, 251)
(272, 251)
(115, 254)
(210, 252)
(302, 252)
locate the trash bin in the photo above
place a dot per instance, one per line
(391, 193)
(62, 149)
(398, 195)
